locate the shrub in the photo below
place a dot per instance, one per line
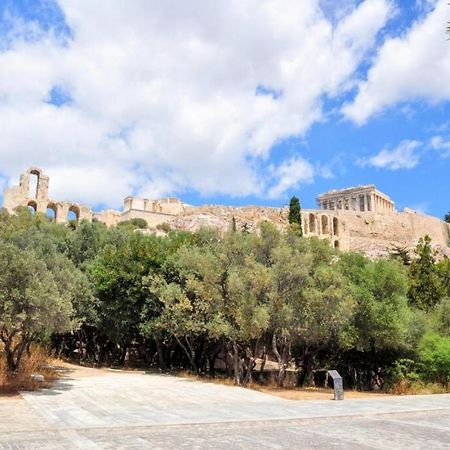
(136, 223)
(36, 362)
(434, 353)
(163, 227)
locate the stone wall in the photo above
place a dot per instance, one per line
(169, 205)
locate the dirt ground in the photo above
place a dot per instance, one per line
(313, 393)
(68, 370)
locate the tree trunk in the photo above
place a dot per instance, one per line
(123, 355)
(249, 366)
(283, 358)
(212, 355)
(162, 362)
(236, 364)
(189, 354)
(10, 361)
(14, 355)
(308, 365)
(264, 358)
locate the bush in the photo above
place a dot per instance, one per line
(136, 223)
(37, 362)
(403, 376)
(434, 353)
(163, 227)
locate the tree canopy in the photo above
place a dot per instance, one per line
(221, 302)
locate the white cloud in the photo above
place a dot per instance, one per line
(415, 65)
(290, 175)
(163, 93)
(405, 156)
(441, 144)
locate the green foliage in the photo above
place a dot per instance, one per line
(426, 288)
(117, 274)
(404, 370)
(441, 317)
(382, 317)
(86, 242)
(295, 216)
(33, 304)
(443, 271)
(43, 291)
(117, 296)
(401, 254)
(163, 227)
(434, 353)
(136, 223)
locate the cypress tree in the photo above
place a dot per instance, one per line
(295, 216)
(233, 224)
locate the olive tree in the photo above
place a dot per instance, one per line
(32, 305)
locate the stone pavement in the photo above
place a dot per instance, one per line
(135, 410)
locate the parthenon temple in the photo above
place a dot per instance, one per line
(360, 198)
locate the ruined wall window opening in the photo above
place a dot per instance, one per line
(33, 184)
(312, 223)
(51, 212)
(325, 229)
(32, 207)
(335, 226)
(336, 244)
(73, 215)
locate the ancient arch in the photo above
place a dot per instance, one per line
(312, 223)
(73, 213)
(32, 206)
(52, 211)
(324, 223)
(335, 226)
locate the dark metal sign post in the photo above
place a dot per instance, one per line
(337, 384)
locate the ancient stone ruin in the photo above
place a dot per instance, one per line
(360, 218)
(35, 197)
(361, 198)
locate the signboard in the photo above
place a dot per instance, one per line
(337, 384)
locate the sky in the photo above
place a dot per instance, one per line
(232, 101)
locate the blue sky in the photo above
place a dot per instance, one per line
(245, 103)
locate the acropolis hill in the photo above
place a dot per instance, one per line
(360, 218)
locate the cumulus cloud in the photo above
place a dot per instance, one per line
(289, 175)
(405, 156)
(414, 65)
(441, 144)
(158, 97)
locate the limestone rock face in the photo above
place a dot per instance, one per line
(221, 217)
(372, 233)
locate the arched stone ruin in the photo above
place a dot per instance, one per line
(35, 196)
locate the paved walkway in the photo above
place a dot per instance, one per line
(135, 410)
